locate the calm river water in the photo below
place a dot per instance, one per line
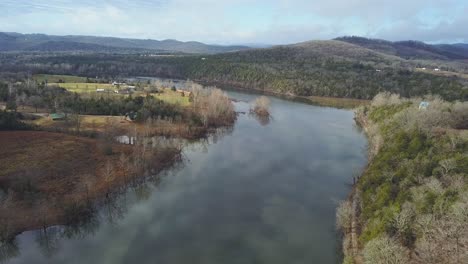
(260, 193)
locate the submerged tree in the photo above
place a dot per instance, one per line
(261, 106)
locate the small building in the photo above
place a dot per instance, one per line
(184, 93)
(131, 88)
(436, 69)
(124, 91)
(57, 116)
(100, 90)
(423, 105)
(130, 116)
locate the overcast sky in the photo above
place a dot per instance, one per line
(241, 21)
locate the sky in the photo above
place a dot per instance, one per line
(241, 21)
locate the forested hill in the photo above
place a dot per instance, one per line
(411, 49)
(324, 68)
(42, 42)
(314, 68)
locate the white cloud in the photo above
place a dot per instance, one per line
(238, 21)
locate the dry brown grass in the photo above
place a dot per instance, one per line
(347, 103)
(43, 173)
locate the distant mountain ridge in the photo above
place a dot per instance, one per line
(411, 49)
(41, 42)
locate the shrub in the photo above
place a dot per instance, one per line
(384, 250)
(344, 214)
(10, 121)
(261, 106)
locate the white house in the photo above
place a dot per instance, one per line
(423, 105)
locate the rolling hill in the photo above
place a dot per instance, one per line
(411, 49)
(334, 68)
(42, 42)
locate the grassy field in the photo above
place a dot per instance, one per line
(167, 95)
(444, 73)
(80, 87)
(172, 97)
(58, 78)
(347, 103)
(90, 123)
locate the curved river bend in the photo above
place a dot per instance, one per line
(262, 193)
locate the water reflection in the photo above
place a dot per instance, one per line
(84, 219)
(249, 194)
(48, 240)
(8, 250)
(262, 119)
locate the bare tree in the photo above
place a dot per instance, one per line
(385, 250)
(344, 215)
(36, 101)
(447, 165)
(108, 174)
(261, 106)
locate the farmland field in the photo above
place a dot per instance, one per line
(167, 95)
(172, 97)
(50, 78)
(85, 87)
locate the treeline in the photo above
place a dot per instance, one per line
(11, 121)
(56, 99)
(298, 70)
(210, 107)
(411, 203)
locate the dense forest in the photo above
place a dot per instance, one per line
(16, 42)
(318, 68)
(411, 203)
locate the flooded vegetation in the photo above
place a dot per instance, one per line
(54, 171)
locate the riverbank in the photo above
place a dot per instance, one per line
(336, 102)
(408, 203)
(56, 169)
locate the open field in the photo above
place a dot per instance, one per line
(50, 78)
(347, 103)
(167, 95)
(172, 97)
(444, 73)
(88, 123)
(120, 126)
(80, 87)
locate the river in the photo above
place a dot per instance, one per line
(262, 192)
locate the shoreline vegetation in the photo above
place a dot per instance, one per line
(261, 107)
(410, 205)
(327, 101)
(57, 171)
